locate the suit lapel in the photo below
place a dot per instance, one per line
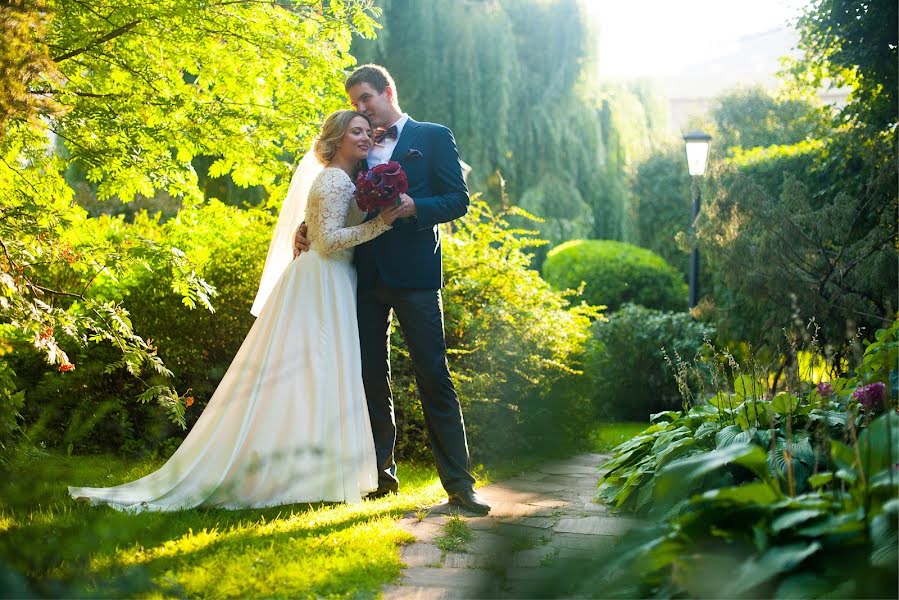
(410, 133)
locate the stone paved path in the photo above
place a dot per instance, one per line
(536, 519)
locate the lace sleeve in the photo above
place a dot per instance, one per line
(329, 203)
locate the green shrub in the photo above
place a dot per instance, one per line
(630, 378)
(11, 400)
(615, 273)
(515, 348)
(790, 496)
(515, 344)
(92, 409)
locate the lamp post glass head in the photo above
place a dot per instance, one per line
(697, 151)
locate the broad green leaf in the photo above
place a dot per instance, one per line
(757, 492)
(885, 536)
(793, 518)
(666, 438)
(777, 560)
(746, 387)
(842, 455)
(820, 479)
(668, 415)
(885, 479)
(804, 585)
(749, 414)
(682, 474)
(733, 435)
(784, 403)
(723, 401)
(707, 429)
(877, 445)
(673, 450)
(840, 524)
(763, 437)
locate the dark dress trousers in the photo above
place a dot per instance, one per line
(402, 270)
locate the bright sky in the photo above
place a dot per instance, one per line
(658, 38)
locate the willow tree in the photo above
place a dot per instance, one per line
(516, 81)
(133, 92)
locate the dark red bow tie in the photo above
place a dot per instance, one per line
(383, 134)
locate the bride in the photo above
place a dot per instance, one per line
(288, 423)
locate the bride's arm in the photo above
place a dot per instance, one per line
(330, 205)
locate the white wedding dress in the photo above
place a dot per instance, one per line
(288, 423)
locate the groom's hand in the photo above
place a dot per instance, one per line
(300, 243)
(406, 206)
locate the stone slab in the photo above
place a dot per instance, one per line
(536, 522)
(531, 475)
(594, 525)
(534, 557)
(551, 503)
(569, 469)
(423, 531)
(460, 560)
(571, 483)
(593, 506)
(499, 509)
(411, 592)
(526, 574)
(421, 555)
(588, 459)
(519, 534)
(487, 543)
(527, 486)
(578, 541)
(468, 580)
(480, 523)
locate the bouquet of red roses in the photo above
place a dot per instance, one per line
(380, 186)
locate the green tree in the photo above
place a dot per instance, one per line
(515, 81)
(753, 117)
(808, 230)
(133, 92)
(801, 232)
(852, 43)
(660, 201)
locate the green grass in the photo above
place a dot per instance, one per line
(64, 548)
(51, 545)
(456, 535)
(609, 434)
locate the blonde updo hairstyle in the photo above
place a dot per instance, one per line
(333, 130)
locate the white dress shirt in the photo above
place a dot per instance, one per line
(380, 153)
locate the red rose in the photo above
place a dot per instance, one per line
(380, 186)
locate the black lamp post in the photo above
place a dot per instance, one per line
(697, 156)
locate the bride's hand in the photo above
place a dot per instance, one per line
(389, 215)
(300, 243)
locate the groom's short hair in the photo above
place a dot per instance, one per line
(374, 75)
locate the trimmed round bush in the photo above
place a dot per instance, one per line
(629, 375)
(615, 273)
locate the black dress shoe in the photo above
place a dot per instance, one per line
(381, 492)
(469, 500)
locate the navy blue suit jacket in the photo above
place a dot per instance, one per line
(408, 255)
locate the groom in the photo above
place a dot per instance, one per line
(401, 272)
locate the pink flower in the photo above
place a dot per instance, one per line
(825, 389)
(869, 395)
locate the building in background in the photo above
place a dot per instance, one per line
(754, 60)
